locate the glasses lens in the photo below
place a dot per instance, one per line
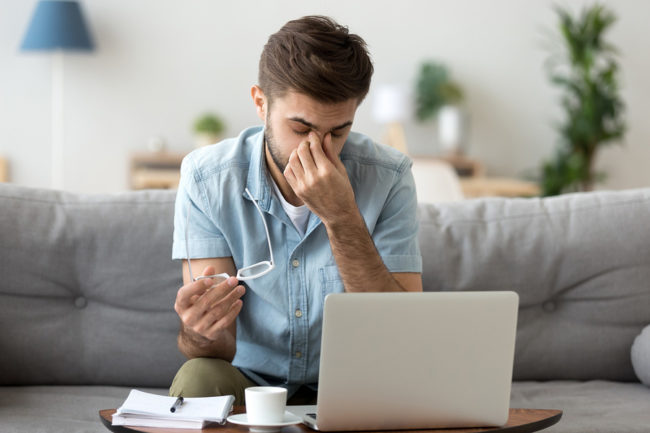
(254, 270)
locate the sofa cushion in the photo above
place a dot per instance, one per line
(87, 288)
(59, 409)
(580, 263)
(588, 407)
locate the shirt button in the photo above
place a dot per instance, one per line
(298, 354)
(80, 302)
(298, 313)
(295, 263)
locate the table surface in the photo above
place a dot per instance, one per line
(4, 172)
(519, 421)
(498, 186)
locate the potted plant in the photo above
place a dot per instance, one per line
(440, 97)
(587, 73)
(208, 129)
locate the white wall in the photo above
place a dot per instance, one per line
(159, 64)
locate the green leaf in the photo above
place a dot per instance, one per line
(209, 123)
(434, 89)
(592, 107)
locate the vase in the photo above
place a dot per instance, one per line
(204, 139)
(452, 129)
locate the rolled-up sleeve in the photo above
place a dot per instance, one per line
(395, 234)
(205, 239)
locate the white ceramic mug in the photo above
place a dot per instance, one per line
(265, 404)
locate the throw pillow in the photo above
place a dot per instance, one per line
(641, 356)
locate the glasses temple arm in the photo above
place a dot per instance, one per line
(266, 228)
(187, 243)
(268, 239)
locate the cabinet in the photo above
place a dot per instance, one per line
(463, 178)
(4, 170)
(155, 170)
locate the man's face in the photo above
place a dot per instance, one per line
(291, 118)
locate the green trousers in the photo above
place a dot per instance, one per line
(208, 377)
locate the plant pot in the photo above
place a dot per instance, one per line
(204, 139)
(452, 129)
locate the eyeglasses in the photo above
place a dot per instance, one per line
(244, 274)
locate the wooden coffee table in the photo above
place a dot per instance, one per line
(519, 421)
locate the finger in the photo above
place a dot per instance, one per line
(208, 270)
(316, 147)
(196, 296)
(187, 296)
(218, 291)
(211, 306)
(296, 165)
(222, 307)
(225, 321)
(229, 297)
(190, 291)
(290, 177)
(218, 311)
(330, 152)
(305, 155)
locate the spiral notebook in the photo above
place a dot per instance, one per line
(143, 409)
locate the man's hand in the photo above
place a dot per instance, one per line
(318, 177)
(207, 309)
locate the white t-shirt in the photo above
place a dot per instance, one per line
(299, 215)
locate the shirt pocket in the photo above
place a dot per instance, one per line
(330, 280)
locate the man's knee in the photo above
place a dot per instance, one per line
(206, 377)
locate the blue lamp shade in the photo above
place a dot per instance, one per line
(57, 25)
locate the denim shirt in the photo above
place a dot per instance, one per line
(279, 326)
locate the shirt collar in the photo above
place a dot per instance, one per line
(257, 181)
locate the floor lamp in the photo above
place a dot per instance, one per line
(57, 26)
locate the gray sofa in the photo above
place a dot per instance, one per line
(87, 287)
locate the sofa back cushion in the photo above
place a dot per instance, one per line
(87, 284)
(87, 288)
(580, 263)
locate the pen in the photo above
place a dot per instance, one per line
(178, 403)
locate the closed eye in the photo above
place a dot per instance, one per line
(303, 133)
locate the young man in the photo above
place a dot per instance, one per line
(340, 211)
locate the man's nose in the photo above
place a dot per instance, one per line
(317, 134)
(321, 136)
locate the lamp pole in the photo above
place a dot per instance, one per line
(57, 26)
(58, 137)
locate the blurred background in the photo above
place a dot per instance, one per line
(157, 66)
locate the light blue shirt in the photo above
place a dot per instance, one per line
(279, 326)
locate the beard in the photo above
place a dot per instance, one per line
(278, 160)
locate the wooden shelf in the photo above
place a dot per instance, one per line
(473, 181)
(158, 170)
(497, 186)
(464, 167)
(4, 170)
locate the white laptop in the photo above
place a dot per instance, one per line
(414, 361)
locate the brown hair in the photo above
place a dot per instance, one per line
(315, 56)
